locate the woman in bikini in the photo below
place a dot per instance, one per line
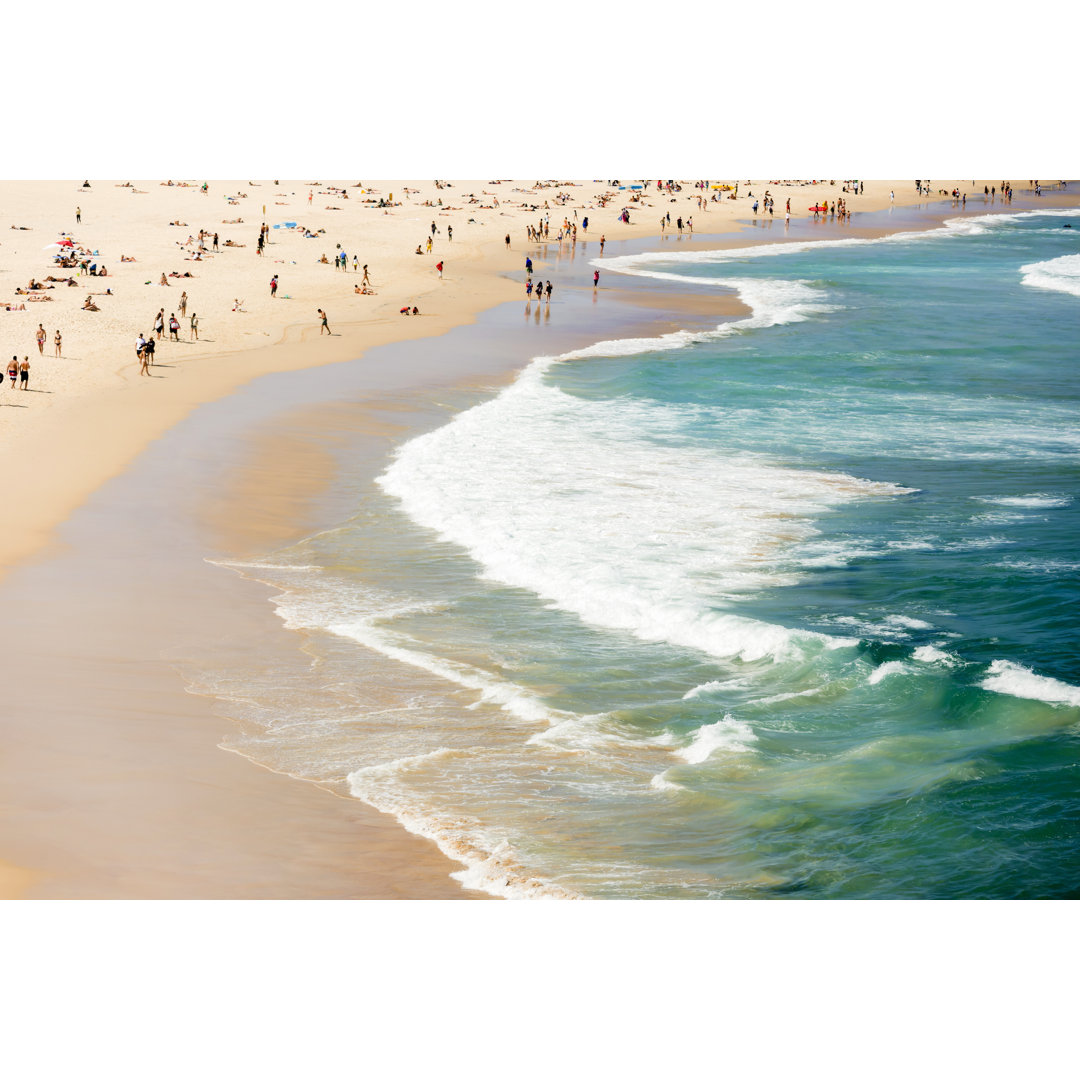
(56, 342)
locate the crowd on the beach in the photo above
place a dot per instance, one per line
(560, 213)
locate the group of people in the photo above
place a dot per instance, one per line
(665, 221)
(42, 337)
(543, 289)
(20, 372)
(145, 346)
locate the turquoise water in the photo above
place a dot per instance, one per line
(784, 609)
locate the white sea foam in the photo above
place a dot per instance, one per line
(930, 654)
(791, 695)
(906, 622)
(506, 695)
(491, 864)
(715, 686)
(1034, 501)
(733, 736)
(1006, 677)
(1040, 566)
(644, 265)
(607, 510)
(1060, 275)
(883, 671)
(892, 627)
(591, 732)
(660, 782)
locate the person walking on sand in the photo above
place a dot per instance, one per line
(438, 266)
(148, 349)
(194, 327)
(13, 370)
(325, 325)
(174, 327)
(366, 280)
(78, 215)
(507, 241)
(41, 339)
(144, 360)
(273, 286)
(159, 323)
(57, 342)
(24, 373)
(182, 306)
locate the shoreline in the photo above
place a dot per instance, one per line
(132, 432)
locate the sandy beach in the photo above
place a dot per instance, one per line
(115, 783)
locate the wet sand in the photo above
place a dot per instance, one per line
(116, 784)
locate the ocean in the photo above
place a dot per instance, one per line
(783, 608)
